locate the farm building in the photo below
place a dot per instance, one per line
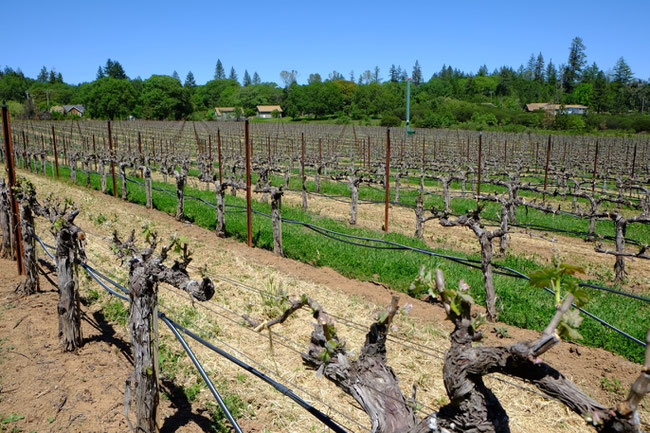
(77, 110)
(225, 113)
(266, 111)
(569, 109)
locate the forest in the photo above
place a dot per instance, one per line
(480, 100)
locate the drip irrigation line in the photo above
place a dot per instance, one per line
(323, 418)
(199, 367)
(500, 269)
(96, 275)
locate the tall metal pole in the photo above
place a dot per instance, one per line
(11, 174)
(387, 178)
(249, 220)
(110, 146)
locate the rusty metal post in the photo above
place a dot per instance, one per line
(387, 186)
(110, 146)
(480, 166)
(593, 176)
(548, 159)
(219, 153)
(249, 220)
(56, 152)
(11, 175)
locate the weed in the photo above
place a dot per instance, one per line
(275, 298)
(501, 331)
(611, 385)
(169, 360)
(92, 295)
(192, 392)
(100, 219)
(11, 418)
(234, 404)
(115, 310)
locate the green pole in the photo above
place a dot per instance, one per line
(409, 131)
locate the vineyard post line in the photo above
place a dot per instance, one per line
(387, 179)
(56, 153)
(110, 145)
(249, 222)
(11, 174)
(480, 166)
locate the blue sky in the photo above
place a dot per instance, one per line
(146, 37)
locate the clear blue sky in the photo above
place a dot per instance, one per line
(148, 37)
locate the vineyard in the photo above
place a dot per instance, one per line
(366, 207)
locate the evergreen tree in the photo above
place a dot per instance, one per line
(219, 72)
(393, 74)
(115, 70)
(538, 72)
(599, 94)
(375, 77)
(42, 76)
(622, 72)
(256, 78)
(352, 76)
(551, 73)
(247, 78)
(59, 78)
(233, 74)
(483, 71)
(417, 73)
(52, 77)
(175, 75)
(577, 60)
(590, 73)
(189, 80)
(100, 73)
(529, 72)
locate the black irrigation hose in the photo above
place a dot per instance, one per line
(468, 262)
(174, 326)
(278, 386)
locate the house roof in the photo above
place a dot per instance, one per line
(68, 108)
(268, 108)
(221, 110)
(546, 106)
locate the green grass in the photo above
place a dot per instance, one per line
(523, 306)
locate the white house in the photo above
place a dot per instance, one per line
(266, 111)
(569, 108)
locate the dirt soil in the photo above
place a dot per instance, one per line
(68, 392)
(84, 391)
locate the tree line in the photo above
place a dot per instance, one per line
(450, 98)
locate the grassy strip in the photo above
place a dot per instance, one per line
(523, 306)
(640, 232)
